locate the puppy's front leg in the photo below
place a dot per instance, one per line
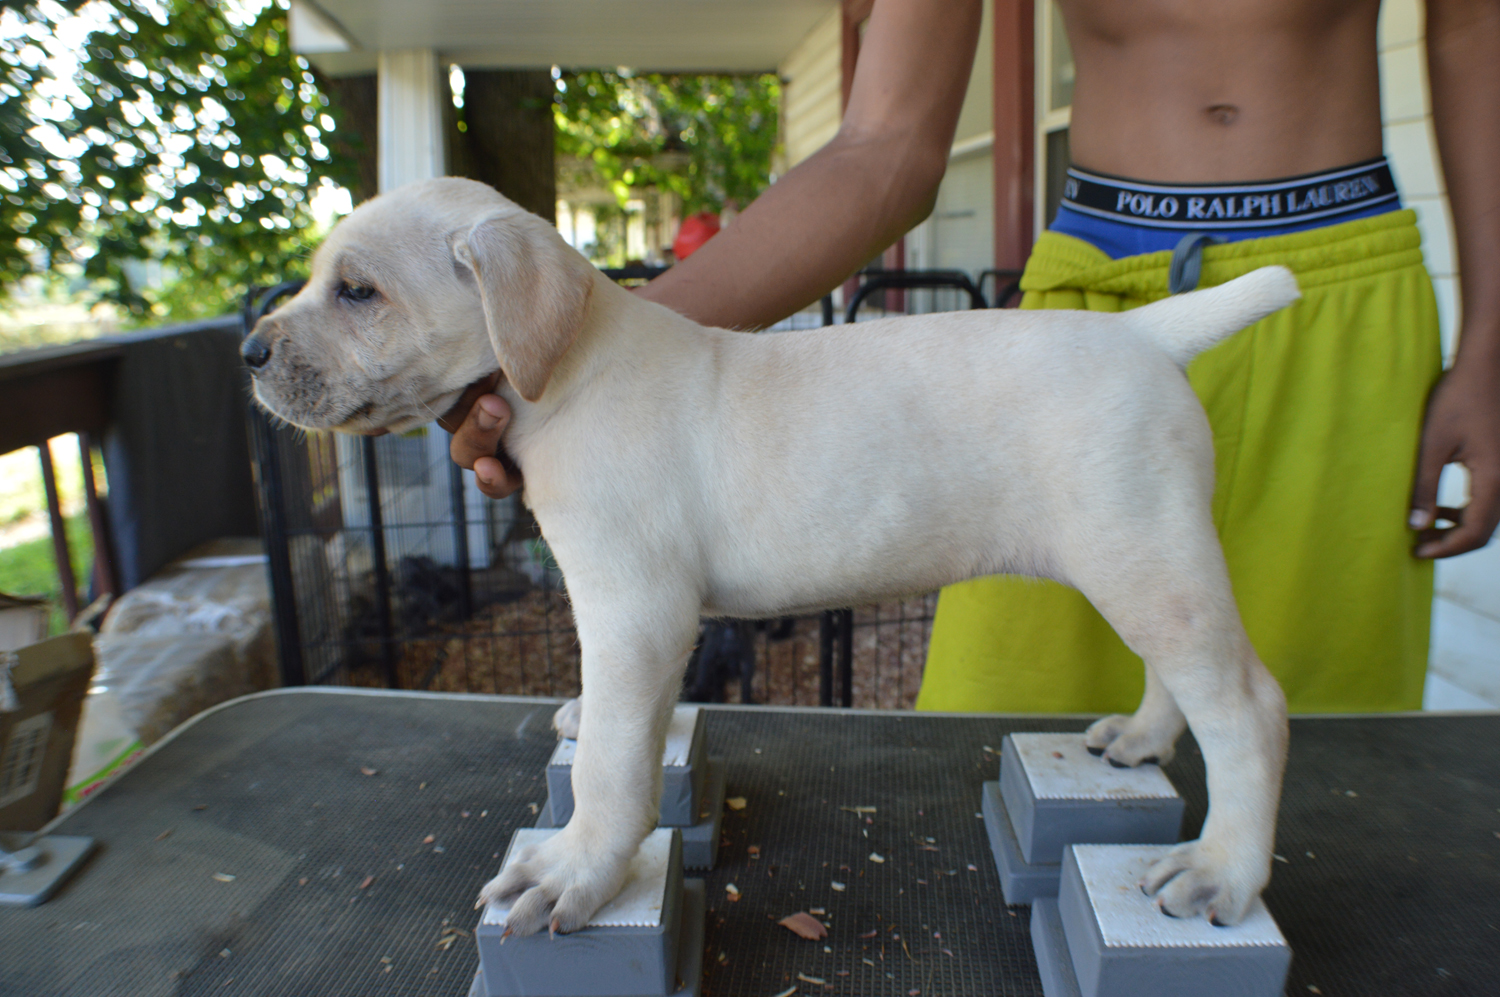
(633, 658)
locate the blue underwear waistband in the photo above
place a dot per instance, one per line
(1127, 217)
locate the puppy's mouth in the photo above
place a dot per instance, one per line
(359, 422)
(373, 408)
(372, 419)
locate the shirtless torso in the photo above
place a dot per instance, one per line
(1235, 90)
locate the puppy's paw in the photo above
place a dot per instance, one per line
(566, 718)
(1126, 742)
(1195, 879)
(557, 885)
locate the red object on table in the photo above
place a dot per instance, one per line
(693, 233)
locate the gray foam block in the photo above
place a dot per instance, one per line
(1053, 961)
(57, 857)
(689, 948)
(629, 948)
(1021, 882)
(1121, 945)
(1058, 794)
(700, 843)
(683, 772)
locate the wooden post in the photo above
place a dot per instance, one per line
(357, 102)
(1015, 131)
(509, 137)
(59, 535)
(106, 578)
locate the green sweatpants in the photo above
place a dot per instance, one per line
(1316, 414)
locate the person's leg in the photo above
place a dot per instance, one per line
(1312, 509)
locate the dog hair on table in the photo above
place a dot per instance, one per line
(679, 471)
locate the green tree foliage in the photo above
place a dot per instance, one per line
(194, 137)
(709, 139)
(190, 135)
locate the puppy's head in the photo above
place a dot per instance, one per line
(415, 295)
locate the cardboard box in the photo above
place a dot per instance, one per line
(41, 696)
(23, 621)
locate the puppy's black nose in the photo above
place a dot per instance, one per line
(256, 352)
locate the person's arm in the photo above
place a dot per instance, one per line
(826, 218)
(843, 205)
(1463, 414)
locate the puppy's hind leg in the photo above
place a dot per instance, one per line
(1175, 609)
(1148, 736)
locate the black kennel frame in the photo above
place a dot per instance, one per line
(320, 646)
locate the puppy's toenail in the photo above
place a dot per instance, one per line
(1166, 912)
(1213, 919)
(1096, 752)
(1118, 765)
(1153, 760)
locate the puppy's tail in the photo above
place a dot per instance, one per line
(1185, 325)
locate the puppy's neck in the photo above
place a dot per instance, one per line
(620, 330)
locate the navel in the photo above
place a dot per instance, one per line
(1224, 114)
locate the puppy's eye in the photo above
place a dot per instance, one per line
(356, 292)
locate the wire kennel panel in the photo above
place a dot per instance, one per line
(870, 657)
(384, 575)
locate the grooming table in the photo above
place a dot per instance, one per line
(330, 841)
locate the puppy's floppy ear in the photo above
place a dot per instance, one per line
(535, 290)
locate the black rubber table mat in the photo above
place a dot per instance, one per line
(357, 829)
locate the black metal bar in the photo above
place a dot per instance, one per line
(267, 468)
(876, 280)
(828, 309)
(1007, 283)
(641, 272)
(461, 540)
(826, 627)
(65, 576)
(382, 570)
(278, 548)
(846, 657)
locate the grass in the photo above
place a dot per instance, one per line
(31, 569)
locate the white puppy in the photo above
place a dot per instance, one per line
(679, 471)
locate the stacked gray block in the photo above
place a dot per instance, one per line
(1021, 882)
(1103, 937)
(32, 870)
(683, 772)
(1052, 793)
(693, 786)
(647, 942)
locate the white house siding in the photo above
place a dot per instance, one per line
(960, 233)
(811, 98)
(1465, 668)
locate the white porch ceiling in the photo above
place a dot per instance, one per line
(662, 35)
